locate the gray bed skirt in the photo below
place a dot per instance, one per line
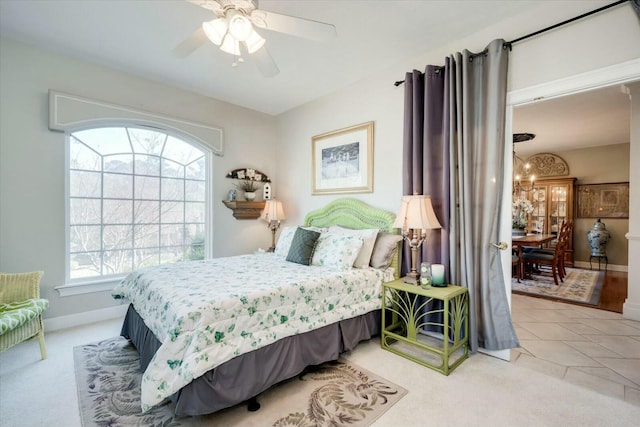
(248, 375)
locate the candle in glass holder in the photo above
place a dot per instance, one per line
(437, 275)
(425, 274)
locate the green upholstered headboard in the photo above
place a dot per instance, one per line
(354, 213)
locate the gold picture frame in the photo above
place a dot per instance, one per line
(342, 160)
(603, 200)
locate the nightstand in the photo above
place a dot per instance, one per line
(404, 314)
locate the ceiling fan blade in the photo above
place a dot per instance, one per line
(265, 62)
(197, 39)
(299, 27)
(211, 5)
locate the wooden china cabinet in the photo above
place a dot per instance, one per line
(553, 203)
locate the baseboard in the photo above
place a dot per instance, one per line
(84, 318)
(612, 267)
(631, 310)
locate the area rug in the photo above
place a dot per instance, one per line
(336, 394)
(580, 286)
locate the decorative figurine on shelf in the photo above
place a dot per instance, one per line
(232, 195)
(266, 191)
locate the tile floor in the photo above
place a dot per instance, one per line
(593, 348)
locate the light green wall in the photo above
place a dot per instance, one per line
(609, 163)
(32, 160)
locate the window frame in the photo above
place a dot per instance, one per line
(107, 282)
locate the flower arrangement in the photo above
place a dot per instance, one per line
(248, 181)
(248, 186)
(520, 208)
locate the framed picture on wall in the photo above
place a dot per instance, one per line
(342, 160)
(603, 200)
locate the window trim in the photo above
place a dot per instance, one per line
(71, 113)
(88, 287)
(107, 283)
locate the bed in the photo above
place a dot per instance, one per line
(212, 334)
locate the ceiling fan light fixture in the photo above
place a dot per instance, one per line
(215, 30)
(230, 45)
(240, 26)
(254, 42)
(235, 24)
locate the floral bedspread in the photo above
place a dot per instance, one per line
(208, 312)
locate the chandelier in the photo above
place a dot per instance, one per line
(231, 30)
(523, 178)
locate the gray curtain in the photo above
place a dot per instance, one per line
(453, 150)
(426, 156)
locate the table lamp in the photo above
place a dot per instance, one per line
(273, 214)
(416, 216)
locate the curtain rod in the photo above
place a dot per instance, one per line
(568, 21)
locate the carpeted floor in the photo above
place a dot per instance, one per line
(337, 394)
(581, 286)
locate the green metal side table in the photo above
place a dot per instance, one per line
(408, 308)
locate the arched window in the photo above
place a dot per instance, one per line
(136, 197)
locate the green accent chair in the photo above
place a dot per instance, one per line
(21, 309)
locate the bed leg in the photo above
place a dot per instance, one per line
(252, 404)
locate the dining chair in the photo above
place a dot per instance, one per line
(516, 264)
(554, 258)
(562, 240)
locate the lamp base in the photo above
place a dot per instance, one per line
(271, 249)
(411, 278)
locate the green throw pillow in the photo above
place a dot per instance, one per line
(302, 246)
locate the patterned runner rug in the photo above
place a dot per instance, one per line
(336, 393)
(581, 286)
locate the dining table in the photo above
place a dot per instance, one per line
(532, 239)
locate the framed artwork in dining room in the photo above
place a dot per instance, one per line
(609, 200)
(342, 160)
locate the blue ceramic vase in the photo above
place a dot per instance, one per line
(598, 238)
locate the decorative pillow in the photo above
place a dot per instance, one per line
(302, 246)
(14, 314)
(285, 238)
(284, 241)
(368, 237)
(337, 250)
(384, 249)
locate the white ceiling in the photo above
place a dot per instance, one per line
(137, 36)
(588, 119)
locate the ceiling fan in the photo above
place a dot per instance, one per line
(233, 29)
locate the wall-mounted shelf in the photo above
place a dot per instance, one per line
(245, 210)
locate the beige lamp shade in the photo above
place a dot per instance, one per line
(273, 211)
(416, 212)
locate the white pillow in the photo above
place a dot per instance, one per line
(284, 242)
(336, 250)
(286, 237)
(368, 237)
(384, 250)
